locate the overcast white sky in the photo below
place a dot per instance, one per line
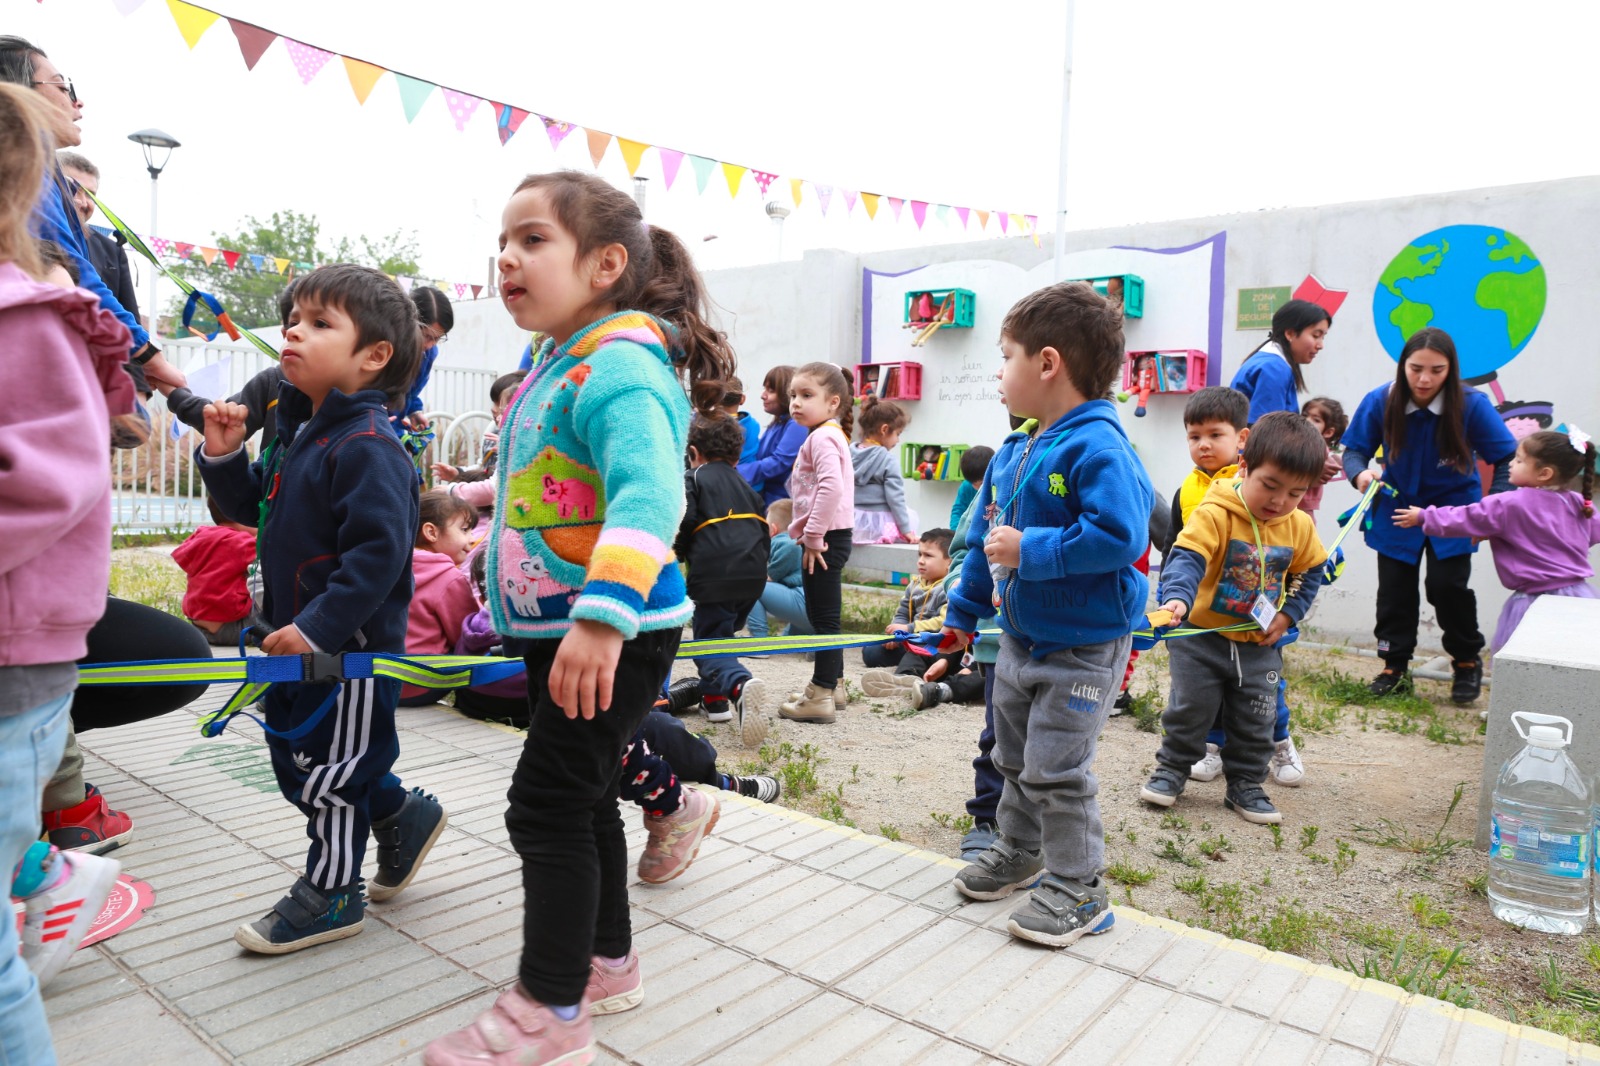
(1179, 109)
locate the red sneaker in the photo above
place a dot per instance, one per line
(91, 827)
(613, 990)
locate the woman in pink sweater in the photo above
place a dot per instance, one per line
(823, 488)
(442, 598)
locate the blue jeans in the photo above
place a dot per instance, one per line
(31, 745)
(719, 674)
(786, 605)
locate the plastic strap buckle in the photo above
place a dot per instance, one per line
(322, 668)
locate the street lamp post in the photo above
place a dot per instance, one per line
(777, 212)
(154, 140)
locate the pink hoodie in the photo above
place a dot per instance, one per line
(61, 358)
(442, 600)
(823, 486)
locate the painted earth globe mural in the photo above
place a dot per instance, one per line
(1482, 285)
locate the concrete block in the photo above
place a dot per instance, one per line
(1551, 665)
(1423, 1034)
(878, 560)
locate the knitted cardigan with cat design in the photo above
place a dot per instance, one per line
(590, 487)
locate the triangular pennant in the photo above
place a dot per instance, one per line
(764, 180)
(963, 214)
(983, 219)
(1016, 220)
(702, 170)
(824, 195)
(794, 189)
(160, 245)
(557, 130)
(281, 264)
(363, 76)
(895, 204)
(308, 61)
(919, 212)
(461, 106)
(508, 119)
(461, 290)
(253, 41)
(232, 259)
(849, 199)
(193, 22)
(209, 254)
(406, 283)
(598, 142)
(670, 162)
(942, 213)
(182, 250)
(632, 154)
(126, 7)
(869, 200)
(1033, 228)
(477, 291)
(735, 174)
(259, 262)
(413, 93)
(1004, 221)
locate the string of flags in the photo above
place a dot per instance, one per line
(193, 21)
(183, 251)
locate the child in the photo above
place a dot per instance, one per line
(881, 514)
(823, 489)
(336, 532)
(216, 559)
(1063, 517)
(1541, 533)
(1216, 421)
(581, 567)
(732, 400)
(783, 598)
(441, 597)
(500, 393)
(974, 462)
(768, 473)
(1431, 429)
(1247, 553)
(67, 381)
(1329, 418)
(1270, 377)
(921, 610)
(726, 543)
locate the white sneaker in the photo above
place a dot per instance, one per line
(1287, 769)
(1209, 768)
(59, 918)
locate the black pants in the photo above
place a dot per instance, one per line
(485, 707)
(564, 821)
(1399, 607)
(966, 688)
(987, 783)
(823, 602)
(129, 632)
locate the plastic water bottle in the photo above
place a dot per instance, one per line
(1541, 830)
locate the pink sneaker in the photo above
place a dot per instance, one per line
(675, 839)
(612, 991)
(516, 1031)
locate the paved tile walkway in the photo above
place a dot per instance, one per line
(791, 940)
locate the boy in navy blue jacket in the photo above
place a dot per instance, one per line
(1064, 519)
(336, 501)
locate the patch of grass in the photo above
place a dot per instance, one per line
(1174, 821)
(1146, 708)
(1190, 886)
(1340, 689)
(1419, 974)
(832, 808)
(1215, 847)
(149, 578)
(1308, 837)
(796, 767)
(888, 832)
(1344, 857)
(1125, 873)
(1591, 952)
(1176, 851)
(865, 612)
(960, 823)
(1479, 886)
(1390, 834)
(1428, 914)
(1277, 836)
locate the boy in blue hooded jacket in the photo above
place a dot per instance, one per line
(1063, 521)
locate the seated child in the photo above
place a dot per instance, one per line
(1331, 421)
(216, 559)
(441, 597)
(974, 464)
(1064, 517)
(921, 610)
(336, 541)
(1247, 553)
(784, 597)
(726, 543)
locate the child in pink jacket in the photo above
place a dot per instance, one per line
(823, 489)
(442, 598)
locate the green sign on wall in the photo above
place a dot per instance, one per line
(1257, 305)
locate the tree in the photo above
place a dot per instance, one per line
(250, 296)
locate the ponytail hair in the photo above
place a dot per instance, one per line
(1554, 450)
(831, 380)
(660, 278)
(1294, 317)
(878, 415)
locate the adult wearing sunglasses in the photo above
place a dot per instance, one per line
(24, 64)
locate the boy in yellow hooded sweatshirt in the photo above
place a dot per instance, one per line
(1246, 554)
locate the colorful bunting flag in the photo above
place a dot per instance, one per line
(1003, 220)
(281, 264)
(253, 41)
(919, 212)
(210, 254)
(764, 180)
(702, 170)
(477, 291)
(259, 262)
(557, 130)
(461, 106)
(869, 200)
(895, 204)
(405, 283)
(1016, 220)
(735, 174)
(824, 196)
(181, 250)
(598, 142)
(127, 7)
(670, 162)
(308, 61)
(849, 199)
(193, 22)
(963, 214)
(983, 220)
(794, 189)
(508, 120)
(461, 290)
(160, 245)
(413, 94)
(231, 258)
(942, 213)
(363, 76)
(632, 154)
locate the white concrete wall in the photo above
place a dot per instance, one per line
(797, 311)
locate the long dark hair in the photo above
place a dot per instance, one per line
(1452, 435)
(1294, 317)
(660, 278)
(830, 377)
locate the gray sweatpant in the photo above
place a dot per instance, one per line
(1048, 714)
(1227, 683)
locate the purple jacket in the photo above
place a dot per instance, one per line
(1540, 537)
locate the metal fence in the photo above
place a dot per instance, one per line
(156, 489)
